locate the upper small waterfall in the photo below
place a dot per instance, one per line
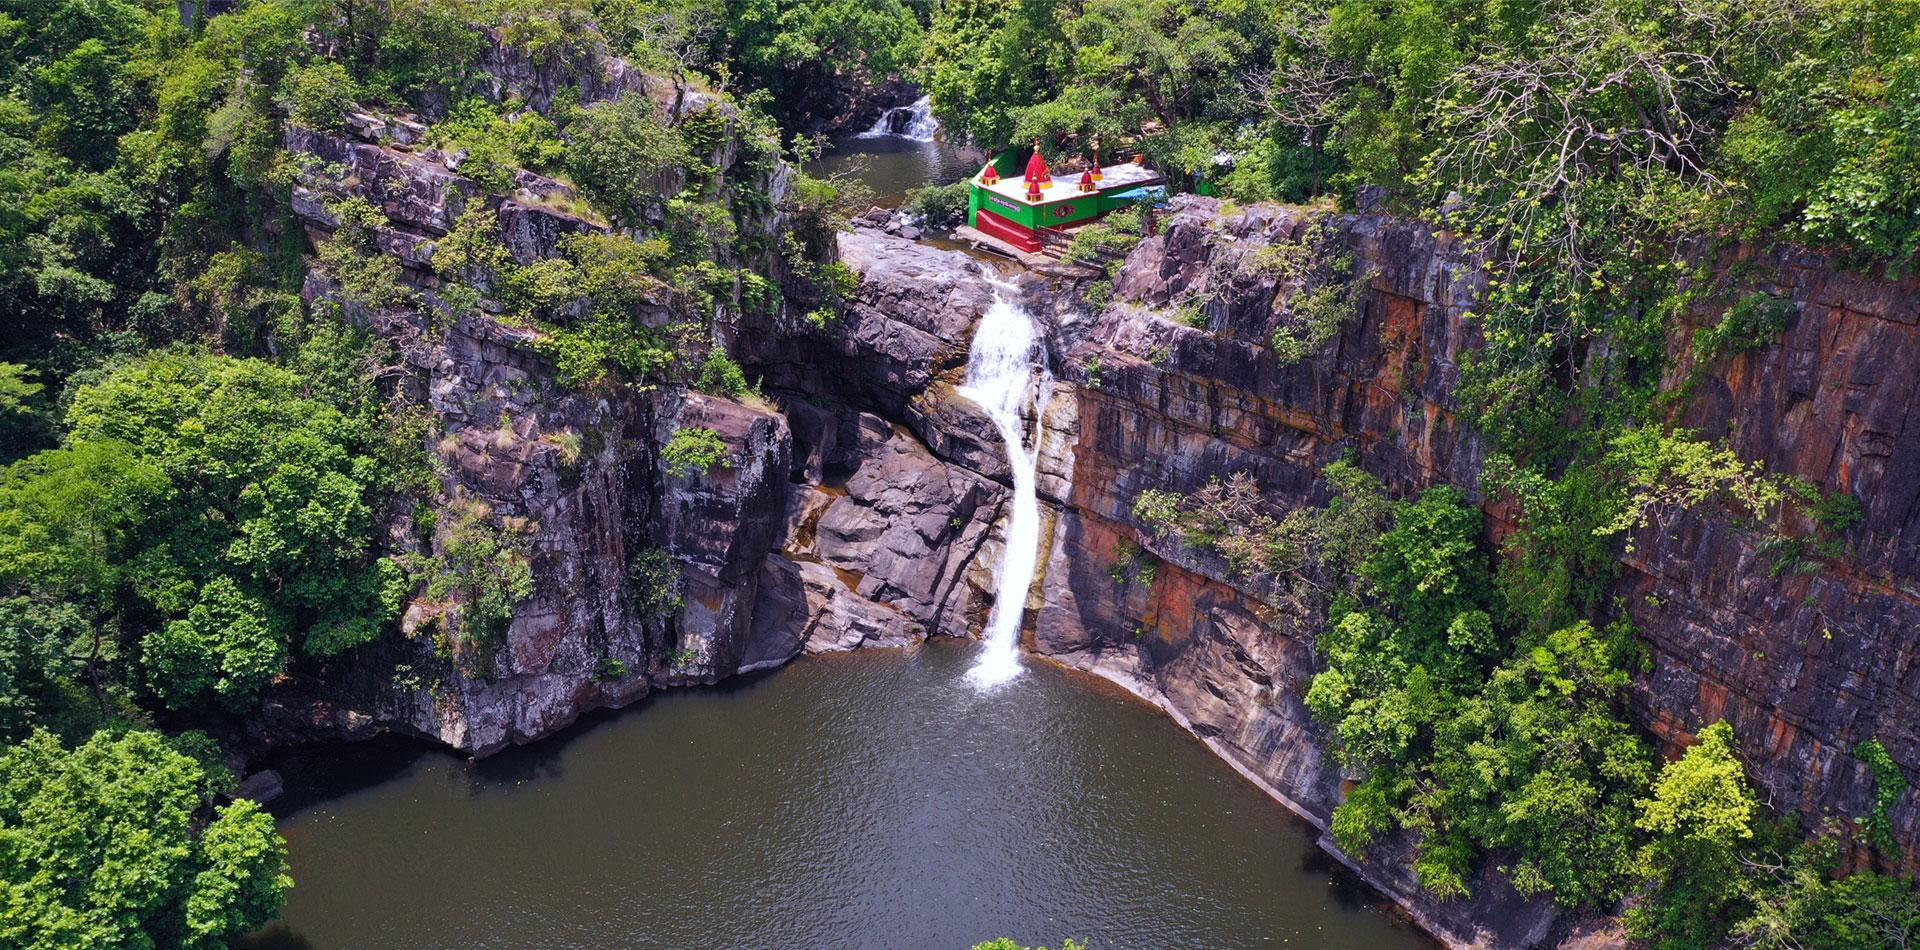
(914, 121)
(1007, 375)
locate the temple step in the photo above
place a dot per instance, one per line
(992, 224)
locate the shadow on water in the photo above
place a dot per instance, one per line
(545, 759)
(318, 775)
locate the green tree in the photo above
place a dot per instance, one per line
(1700, 817)
(320, 96)
(802, 50)
(218, 510)
(230, 644)
(622, 154)
(982, 59)
(41, 645)
(113, 844)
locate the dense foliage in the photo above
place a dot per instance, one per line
(113, 844)
(1486, 739)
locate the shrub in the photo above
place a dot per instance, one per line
(1888, 784)
(485, 569)
(720, 374)
(692, 451)
(653, 584)
(1322, 293)
(1752, 322)
(619, 153)
(939, 206)
(320, 96)
(498, 144)
(368, 276)
(1117, 233)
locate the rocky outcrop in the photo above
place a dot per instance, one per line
(844, 102)
(569, 477)
(827, 527)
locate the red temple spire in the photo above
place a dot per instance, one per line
(990, 175)
(1037, 173)
(1086, 181)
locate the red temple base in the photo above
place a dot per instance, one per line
(994, 225)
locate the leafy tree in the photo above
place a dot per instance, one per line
(548, 32)
(230, 644)
(85, 99)
(319, 96)
(39, 667)
(215, 505)
(69, 517)
(425, 51)
(622, 153)
(113, 844)
(1700, 817)
(798, 49)
(673, 36)
(1480, 742)
(982, 59)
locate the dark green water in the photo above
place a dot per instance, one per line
(867, 800)
(894, 166)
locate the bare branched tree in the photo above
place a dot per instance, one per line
(682, 35)
(1305, 88)
(1527, 135)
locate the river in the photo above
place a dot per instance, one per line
(876, 799)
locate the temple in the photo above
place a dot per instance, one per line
(1031, 210)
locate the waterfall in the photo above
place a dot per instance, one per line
(1007, 375)
(914, 122)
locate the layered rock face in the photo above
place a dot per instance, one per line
(1805, 665)
(1171, 406)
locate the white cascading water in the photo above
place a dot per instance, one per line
(1007, 375)
(914, 122)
